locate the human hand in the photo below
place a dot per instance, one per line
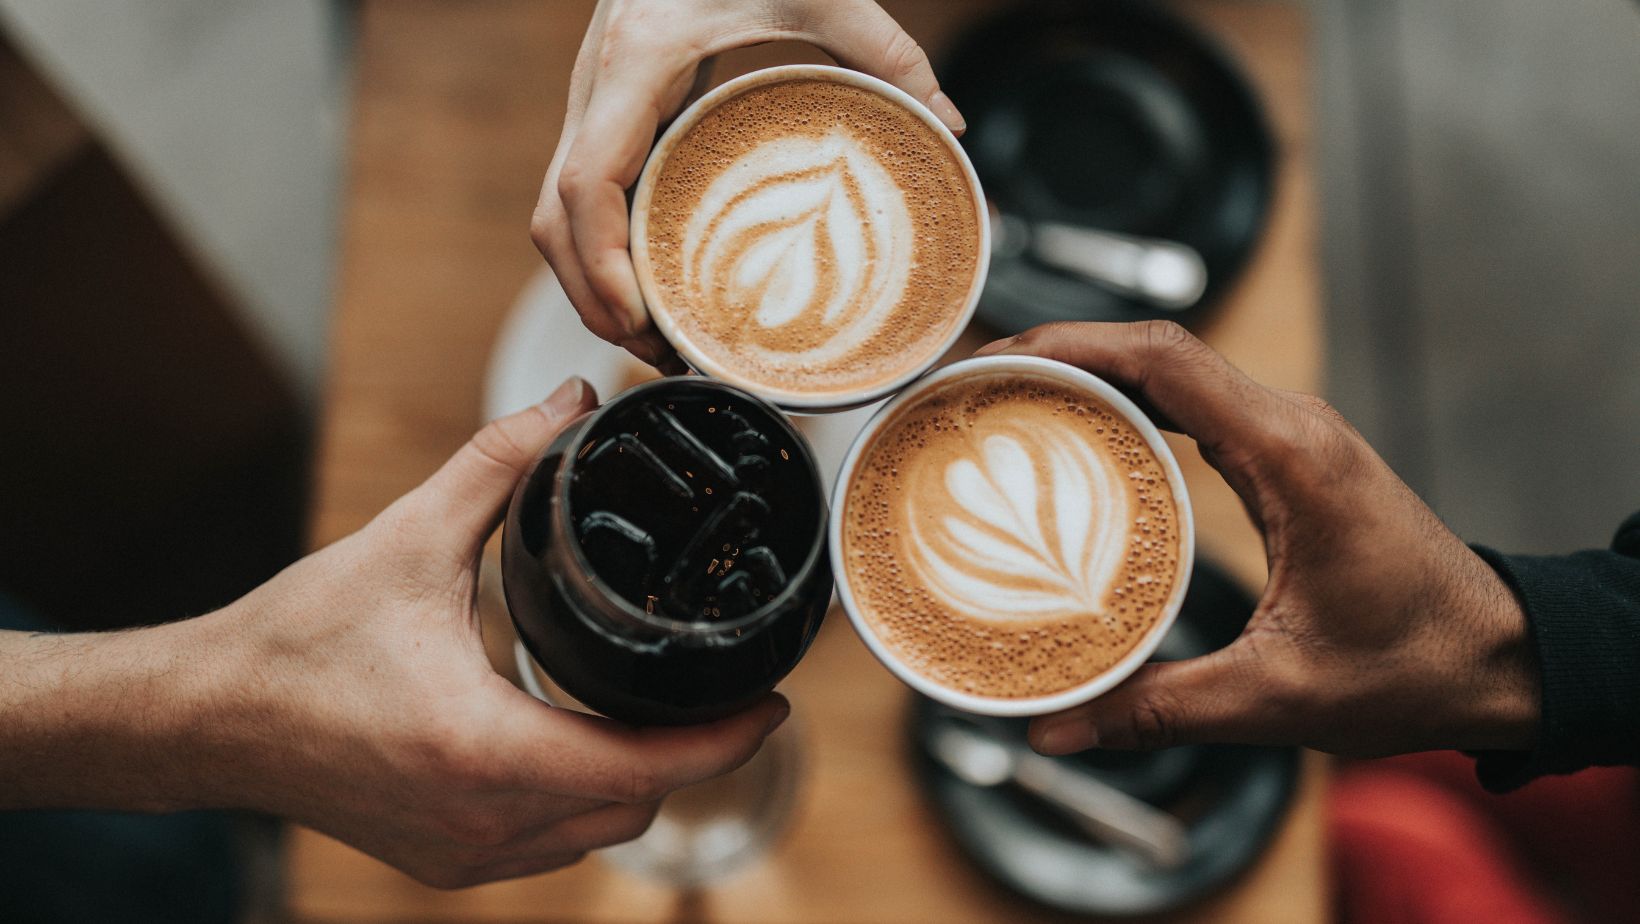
(358, 699)
(1379, 631)
(638, 65)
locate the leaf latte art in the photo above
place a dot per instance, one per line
(810, 239)
(1030, 527)
(807, 241)
(1008, 535)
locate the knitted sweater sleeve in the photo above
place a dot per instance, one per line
(1583, 612)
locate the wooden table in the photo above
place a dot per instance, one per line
(457, 110)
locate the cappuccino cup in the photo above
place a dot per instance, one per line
(1011, 536)
(810, 234)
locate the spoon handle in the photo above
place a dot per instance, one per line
(1105, 812)
(1167, 274)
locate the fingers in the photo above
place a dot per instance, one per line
(1172, 372)
(605, 159)
(864, 37)
(601, 827)
(590, 757)
(1221, 697)
(621, 321)
(633, 74)
(466, 496)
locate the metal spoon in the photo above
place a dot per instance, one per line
(1166, 274)
(1106, 813)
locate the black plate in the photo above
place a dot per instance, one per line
(1114, 115)
(1231, 798)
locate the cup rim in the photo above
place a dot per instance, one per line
(638, 239)
(1063, 699)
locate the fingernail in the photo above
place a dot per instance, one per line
(1065, 738)
(779, 718)
(996, 346)
(566, 398)
(946, 111)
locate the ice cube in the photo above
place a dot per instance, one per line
(752, 469)
(746, 438)
(738, 595)
(760, 566)
(691, 583)
(607, 455)
(666, 430)
(623, 553)
(755, 577)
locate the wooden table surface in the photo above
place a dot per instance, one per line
(456, 113)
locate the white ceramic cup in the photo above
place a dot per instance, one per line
(1080, 381)
(795, 400)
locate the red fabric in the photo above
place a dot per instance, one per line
(1415, 840)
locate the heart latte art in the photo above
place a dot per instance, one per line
(810, 237)
(1009, 536)
(1027, 525)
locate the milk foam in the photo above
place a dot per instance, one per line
(1028, 526)
(1007, 535)
(802, 230)
(813, 237)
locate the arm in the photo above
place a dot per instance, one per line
(351, 693)
(637, 68)
(104, 720)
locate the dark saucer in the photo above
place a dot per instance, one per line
(1117, 116)
(1231, 799)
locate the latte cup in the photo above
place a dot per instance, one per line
(1062, 381)
(810, 234)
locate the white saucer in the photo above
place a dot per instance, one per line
(542, 342)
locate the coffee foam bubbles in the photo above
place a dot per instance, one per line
(813, 237)
(1008, 536)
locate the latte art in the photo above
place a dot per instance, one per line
(1009, 536)
(1031, 529)
(807, 241)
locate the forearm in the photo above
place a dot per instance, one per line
(116, 720)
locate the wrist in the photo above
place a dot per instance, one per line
(1503, 703)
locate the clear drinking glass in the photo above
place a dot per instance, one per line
(664, 562)
(706, 832)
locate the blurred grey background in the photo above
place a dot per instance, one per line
(1481, 186)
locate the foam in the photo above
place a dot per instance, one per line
(813, 236)
(1009, 536)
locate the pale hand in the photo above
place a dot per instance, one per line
(351, 693)
(638, 66)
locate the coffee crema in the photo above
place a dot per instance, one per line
(1010, 536)
(813, 237)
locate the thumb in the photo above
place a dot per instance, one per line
(864, 37)
(1213, 698)
(467, 495)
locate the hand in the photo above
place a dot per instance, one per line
(639, 64)
(1379, 631)
(351, 693)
